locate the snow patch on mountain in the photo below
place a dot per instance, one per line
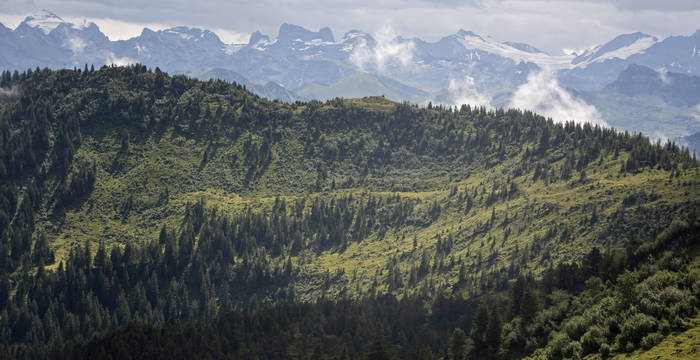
(471, 40)
(46, 21)
(523, 47)
(231, 49)
(182, 35)
(637, 47)
(262, 44)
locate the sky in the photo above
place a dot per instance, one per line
(552, 26)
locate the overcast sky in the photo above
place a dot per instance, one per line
(549, 25)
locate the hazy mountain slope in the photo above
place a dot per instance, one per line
(270, 90)
(360, 85)
(674, 88)
(662, 105)
(596, 68)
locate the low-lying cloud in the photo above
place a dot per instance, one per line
(463, 91)
(543, 95)
(112, 59)
(696, 112)
(75, 44)
(663, 76)
(9, 92)
(387, 50)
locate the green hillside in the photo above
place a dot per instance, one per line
(130, 195)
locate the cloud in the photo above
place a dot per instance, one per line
(696, 112)
(637, 5)
(663, 76)
(76, 44)
(463, 91)
(11, 92)
(388, 49)
(112, 59)
(232, 37)
(543, 95)
(659, 136)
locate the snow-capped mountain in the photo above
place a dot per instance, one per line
(177, 49)
(601, 65)
(298, 63)
(297, 56)
(620, 47)
(45, 21)
(47, 40)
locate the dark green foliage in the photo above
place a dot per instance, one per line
(78, 184)
(384, 328)
(644, 298)
(458, 345)
(225, 284)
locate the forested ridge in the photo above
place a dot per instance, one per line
(347, 229)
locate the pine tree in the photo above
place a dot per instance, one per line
(493, 332)
(529, 305)
(479, 326)
(458, 345)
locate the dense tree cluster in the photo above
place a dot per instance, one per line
(645, 292)
(224, 283)
(212, 265)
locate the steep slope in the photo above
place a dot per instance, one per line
(201, 197)
(605, 307)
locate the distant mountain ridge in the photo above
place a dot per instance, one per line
(677, 89)
(664, 105)
(298, 56)
(301, 64)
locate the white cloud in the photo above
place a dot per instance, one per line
(543, 95)
(111, 59)
(13, 91)
(659, 136)
(464, 92)
(362, 55)
(388, 49)
(696, 112)
(76, 44)
(232, 37)
(664, 77)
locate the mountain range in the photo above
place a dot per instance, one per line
(299, 64)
